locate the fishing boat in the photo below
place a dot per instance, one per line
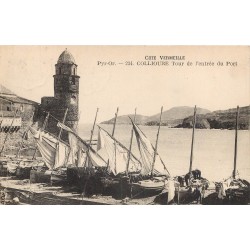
(24, 168)
(234, 189)
(153, 185)
(193, 179)
(121, 163)
(154, 173)
(117, 157)
(54, 153)
(58, 155)
(116, 154)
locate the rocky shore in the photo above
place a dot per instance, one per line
(224, 119)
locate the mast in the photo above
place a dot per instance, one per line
(58, 139)
(63, 121)
(87, 153)
(156, 144)
(93, 128)
(130, 145)
(91, 136)
(192, 144)
(45, 121)
(235, 144)
(113, 132)
(6, 137)
(43, 128)
(118, 143)
(24, 134)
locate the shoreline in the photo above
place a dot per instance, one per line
(44, 194)
(164, 126)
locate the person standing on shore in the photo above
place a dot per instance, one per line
(197, 194)
(203, 191)
(187, 179)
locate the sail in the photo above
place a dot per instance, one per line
(63, 126)
(147, 154)
(61, 156)
(54, 152)
(78, 151)
(81, 153)
(116, 154)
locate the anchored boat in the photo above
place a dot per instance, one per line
(195, 183)
(234, 189)
(154, 172)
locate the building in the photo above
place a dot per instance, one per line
(66, 96)
(16, 114)
(15, 111)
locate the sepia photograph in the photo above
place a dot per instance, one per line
(141, 105)
(124, 125)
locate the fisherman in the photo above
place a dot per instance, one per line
(194, 173)
(203, 191)
(180, 179)
(197, 194)
(188, 177)
(198, 174)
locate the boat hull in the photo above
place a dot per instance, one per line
(56, 178)
(147, 188)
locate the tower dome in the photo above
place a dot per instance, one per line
(66, 57)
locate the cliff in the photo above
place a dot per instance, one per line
(220, 119)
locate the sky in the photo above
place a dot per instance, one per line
(28, 71)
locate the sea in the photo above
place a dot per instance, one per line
(213, 151)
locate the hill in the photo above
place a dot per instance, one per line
(174, 115)
(171, 117)
(124, 119)
(220, 119)
(182, 117)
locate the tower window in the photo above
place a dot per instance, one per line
(74, 71)
(60, 70)
(73, 99)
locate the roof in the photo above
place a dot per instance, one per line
(66, 57)
(17, 99)
(10, 96)
(5, 91)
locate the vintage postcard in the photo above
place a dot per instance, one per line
(135, 125)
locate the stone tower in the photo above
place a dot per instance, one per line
(66, 87)
(66, 94)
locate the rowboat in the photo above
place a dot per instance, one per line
(148, 187)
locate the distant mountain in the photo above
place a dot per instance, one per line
(124, 119)
(220, 119)
(174, 115)
(182, 117)
(171, 117)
